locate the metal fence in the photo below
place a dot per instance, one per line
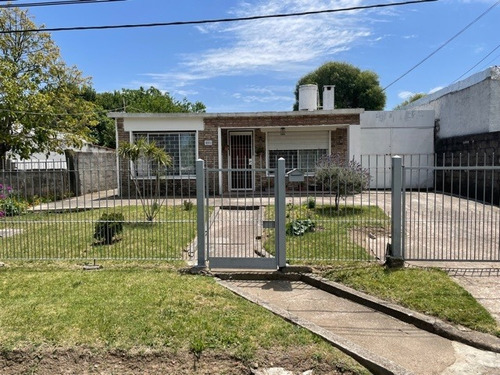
(457, 218)
(449, 212)
(104, 223)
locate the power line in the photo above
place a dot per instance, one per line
(442, 46)
(479, 62)
(97, 111)
(220, 20)
(59, 2)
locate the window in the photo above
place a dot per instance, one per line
(304, 160)
(181, 146)
(300, 149)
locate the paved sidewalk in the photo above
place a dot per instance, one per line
(382, 343)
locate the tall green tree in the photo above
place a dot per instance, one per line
(140, 100)
(354, 88)
(41, 104)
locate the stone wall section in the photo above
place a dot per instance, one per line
(339, 141)
(91, 171)
(52, 184)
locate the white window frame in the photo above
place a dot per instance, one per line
(295, 141)
(134, 135)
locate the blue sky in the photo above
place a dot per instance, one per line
(254, 65)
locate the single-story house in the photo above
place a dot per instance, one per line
(256, 140)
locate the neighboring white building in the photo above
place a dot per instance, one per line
(470, 106)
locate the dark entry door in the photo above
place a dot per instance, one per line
(240, 150)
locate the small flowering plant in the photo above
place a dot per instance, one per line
(340, 176)
(10, 205)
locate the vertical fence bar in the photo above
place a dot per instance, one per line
(200, 207)
(280, 207)
(396, 223)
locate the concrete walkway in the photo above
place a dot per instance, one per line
(379, 341)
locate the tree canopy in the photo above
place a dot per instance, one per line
(354, 88)
(411, 99)
(146, 100)
(41, 104)
(140, 100)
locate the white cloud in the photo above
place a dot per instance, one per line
(266, 94)
(432, 91)
(405, 94)
(271, 45)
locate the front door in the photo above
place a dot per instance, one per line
(240, 157)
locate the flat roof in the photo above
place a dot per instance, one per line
(348, 111)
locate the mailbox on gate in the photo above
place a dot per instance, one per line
(295, 176)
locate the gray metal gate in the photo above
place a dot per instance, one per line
(241, 229)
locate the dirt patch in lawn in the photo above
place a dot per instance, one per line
(373, 239)
(85, 361)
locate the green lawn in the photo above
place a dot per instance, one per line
(70, 235)
(141, 307)
(331, 240)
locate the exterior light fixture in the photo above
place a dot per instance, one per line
(282, 131)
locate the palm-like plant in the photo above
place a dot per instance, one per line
(158, 160)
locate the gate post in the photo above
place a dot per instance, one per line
(395, 256)
(280, 208)
(200, 212)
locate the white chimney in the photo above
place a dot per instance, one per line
(328, 97)
(308, 97)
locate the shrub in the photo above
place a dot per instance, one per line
(336, 175)
(300, 226)
(188, 205)
(311, 203)
(10, 203)
(108, 227)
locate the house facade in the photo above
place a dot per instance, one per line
(240, 141)
(243, 141)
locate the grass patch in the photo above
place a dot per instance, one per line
(140, 307)
(70, 235)
(330, 241)
(431, 292)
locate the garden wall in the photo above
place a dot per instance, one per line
(86, 172)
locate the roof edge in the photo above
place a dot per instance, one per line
(347, 111)
(493, 72)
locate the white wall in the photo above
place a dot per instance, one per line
(383, 134)
(471, 106)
